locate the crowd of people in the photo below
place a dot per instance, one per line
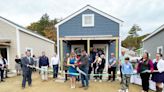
(80, 67)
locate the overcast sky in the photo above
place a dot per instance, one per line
(148, 14)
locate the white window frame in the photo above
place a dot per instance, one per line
(31, 49)
(88, 25)
(160, 47)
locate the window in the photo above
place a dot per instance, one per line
(88, 20)
(160, 49)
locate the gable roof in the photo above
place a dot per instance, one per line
(23, 29)
(93, 9)
(155, 32)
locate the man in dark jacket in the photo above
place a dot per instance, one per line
(27, 70)
(84, 66)
(44, 64)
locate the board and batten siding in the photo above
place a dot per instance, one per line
(150, 45)
(102, 26)
(36, 44)
(9, 32)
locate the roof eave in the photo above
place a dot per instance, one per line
(93, 9)
(153, 33)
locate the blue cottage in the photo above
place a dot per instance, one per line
(86, 29)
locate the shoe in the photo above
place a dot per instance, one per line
(100, 80)
(81, 86)
(2, 81)
(85, 88)
(30, 85)
(72, 87)
(23, 87)
(95, 80)
(120, 90)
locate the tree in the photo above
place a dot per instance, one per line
(133, 41)
(45, 27)
(133, 31)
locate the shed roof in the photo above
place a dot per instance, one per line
(93, 9)
(23, 29)
(154, 33)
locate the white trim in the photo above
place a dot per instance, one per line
(90, 36)
(120, 40)
(57, 31)
(92, 19)
(26, 31)
(155, 32)
(8, 59)
(18, 42)
(107, 55)
(93, 9)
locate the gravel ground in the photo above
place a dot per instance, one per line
(14, 85)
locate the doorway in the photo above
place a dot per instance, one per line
(3, 52)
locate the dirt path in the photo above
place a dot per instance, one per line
(14, 85)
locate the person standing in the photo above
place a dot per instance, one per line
(55, 65)
(93, 65)
(18, 65)
(122, 60)
(96, 65)
(127, 71)
(2, 68)
(112, 67)
(90, 65)
(84, 66)
(72, 69)
(27, 70)
(5, 62)
(44, 64)
(101, 66)
(35, 62)
(145, 64)
(158, 77)
(65, 66)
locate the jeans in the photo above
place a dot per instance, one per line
(89, 71)
(55, 71)
(84, 79)
(126, 81)
(2, 74)
(121, 74)
(27, 77)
